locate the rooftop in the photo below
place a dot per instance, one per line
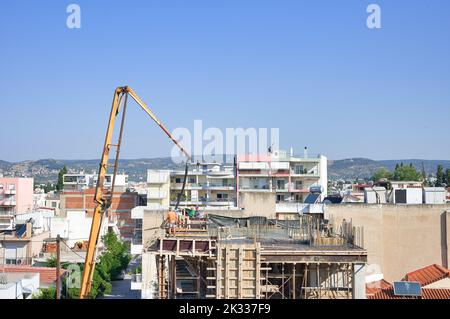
(428, 274)
(376, 286)
(426, 294)
(47, 274)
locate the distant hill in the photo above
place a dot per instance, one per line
(46, 170)
(354, 168)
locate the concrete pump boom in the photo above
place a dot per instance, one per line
(102, 197)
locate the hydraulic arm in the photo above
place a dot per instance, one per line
(103, 197)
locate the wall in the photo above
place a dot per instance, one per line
(74, 227)
(121, 206)
(323, 170)
(399, 238)
(444, 283)
(258, 204)
(24, 192)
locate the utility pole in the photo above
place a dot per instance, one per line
(58, 267)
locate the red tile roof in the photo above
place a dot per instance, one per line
(426, 294)
(428, 275)
(376, 286)
(47, 275)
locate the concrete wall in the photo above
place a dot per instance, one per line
(444, 283)
(121, 206)
(399, 238)
(258, 204)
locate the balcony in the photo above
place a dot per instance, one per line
(222, 201)
(221, 187)
(193, 186)
(10, 191)
(8, 202)
(300, 173)
(158, 177)
(255, 188)
(156, 194)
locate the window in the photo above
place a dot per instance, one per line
(1, 186)
(178, 180)
(70, 179)
(191, 179)
(280, 183)
(298, 184)
(222, 196)
(53, 204)
(298, 169)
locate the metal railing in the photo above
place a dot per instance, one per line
(23, 261)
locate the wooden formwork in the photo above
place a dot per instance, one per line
(238, 271)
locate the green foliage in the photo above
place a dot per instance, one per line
(51, 261)
(447, 177)
(111, 263)
(407, 173)
(401, 173)
(382, 173)
(48, 187)
(440, 177)
(61, 173)
(46, 293)
(116, 257)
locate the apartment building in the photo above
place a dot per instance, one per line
(208, 185)
(291, 178)
(16, 197)
(119, 212)
(82, 181)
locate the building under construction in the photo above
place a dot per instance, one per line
(255, 257)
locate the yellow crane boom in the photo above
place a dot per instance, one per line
(102, 197)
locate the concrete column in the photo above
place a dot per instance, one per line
(359, 281)
(445, 238)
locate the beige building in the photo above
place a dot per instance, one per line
(398, 238)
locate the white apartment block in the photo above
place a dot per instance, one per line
(291, 178)
(219, 186)
(208, 185)
(79, 182)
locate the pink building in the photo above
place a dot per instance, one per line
(16, 196)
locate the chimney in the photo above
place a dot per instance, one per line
(305, 152)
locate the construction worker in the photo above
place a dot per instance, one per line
(172, 221)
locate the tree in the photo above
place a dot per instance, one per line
(61, 173)
(439, 176)
(116, 257)
(51, 261)
(46, 293)
(447, 177)
(111, 263)
(382, 173)
(424, 176)
(407, 173)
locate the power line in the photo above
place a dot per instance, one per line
(72, 249)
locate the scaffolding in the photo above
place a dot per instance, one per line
(260, 259)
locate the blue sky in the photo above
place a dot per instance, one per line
(311, 68)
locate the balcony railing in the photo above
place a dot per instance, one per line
(24, 261)
(10, 191)
(8, 203)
